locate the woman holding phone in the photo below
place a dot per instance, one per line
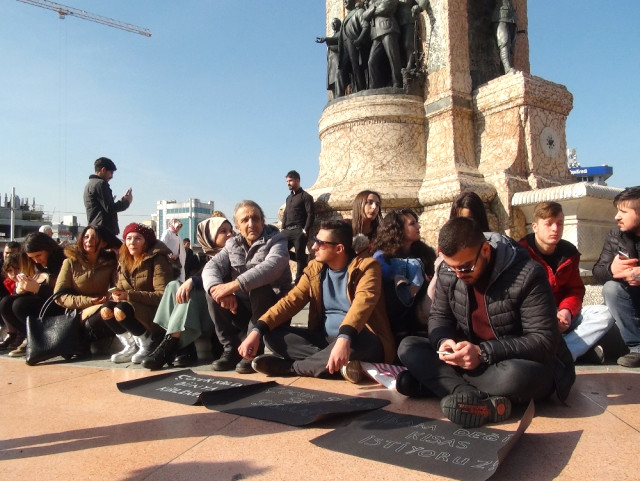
(41, 263)
(87, 272)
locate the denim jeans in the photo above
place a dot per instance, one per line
(623, 302)
(591, 323)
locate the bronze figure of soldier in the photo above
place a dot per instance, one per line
(504, 17)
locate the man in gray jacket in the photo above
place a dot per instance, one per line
(493, 331)
(248, 276)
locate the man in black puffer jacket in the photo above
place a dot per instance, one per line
(493, 332)
(617, 268)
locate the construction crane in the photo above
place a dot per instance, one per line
(63, 11)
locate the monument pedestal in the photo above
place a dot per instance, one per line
(373, 141)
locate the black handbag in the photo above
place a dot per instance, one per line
(52, 336)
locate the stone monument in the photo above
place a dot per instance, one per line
(464, 125)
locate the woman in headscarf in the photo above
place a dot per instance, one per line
(183, 311)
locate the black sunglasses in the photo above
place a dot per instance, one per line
(321, 243)
(466, 270)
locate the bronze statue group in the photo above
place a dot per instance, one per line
(377, 45)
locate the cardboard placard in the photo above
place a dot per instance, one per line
(286, 404)
(428, 445)
(183, 387)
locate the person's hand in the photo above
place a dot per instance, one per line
(98, 300)
(630, 274)
(184, 292)
(564, 319)
(249, 347)
(464, 354)
(621, 266)
(27, 284)
(119, 295)
(128, 196)
(230, 303)
(339, 355)
(223, 290)
(321, 39)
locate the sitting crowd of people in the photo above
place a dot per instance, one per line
(480, 323)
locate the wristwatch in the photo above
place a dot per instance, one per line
(484, 357)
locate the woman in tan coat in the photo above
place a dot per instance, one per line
(143, 273)
(86, 275)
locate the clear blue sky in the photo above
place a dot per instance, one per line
(225, 97)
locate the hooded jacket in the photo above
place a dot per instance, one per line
(521, 310)
(84, 280)
(146, 283)
(266, 261)
(364, 291)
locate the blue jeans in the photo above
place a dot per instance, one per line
(623, 302)
(591, 323)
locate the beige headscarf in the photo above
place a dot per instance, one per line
(207, 230)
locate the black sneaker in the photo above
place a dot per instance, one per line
(273, 365)
(227, 361)
(630, 360)
(472, 409)
(409, 386)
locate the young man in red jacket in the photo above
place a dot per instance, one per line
(581, 327)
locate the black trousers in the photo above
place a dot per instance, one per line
(232, 328)
(297, 240)
(16, 309)
(519, 379)
(129, 323)
(311, 349)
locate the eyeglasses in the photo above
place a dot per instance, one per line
(466, 270)
(321, 243)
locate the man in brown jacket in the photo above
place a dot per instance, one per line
(347, 317)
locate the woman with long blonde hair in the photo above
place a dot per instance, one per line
(143, 273)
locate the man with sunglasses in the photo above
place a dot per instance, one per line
(347, 317)
(493, 333)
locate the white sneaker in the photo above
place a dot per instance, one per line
(146, 346)
(129, 348)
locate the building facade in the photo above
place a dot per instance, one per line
(189, 213)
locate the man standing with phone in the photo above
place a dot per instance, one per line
(101, 207)
(617, 268)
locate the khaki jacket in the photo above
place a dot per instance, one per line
(146, 284)
(85, 280)
(364, 290)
